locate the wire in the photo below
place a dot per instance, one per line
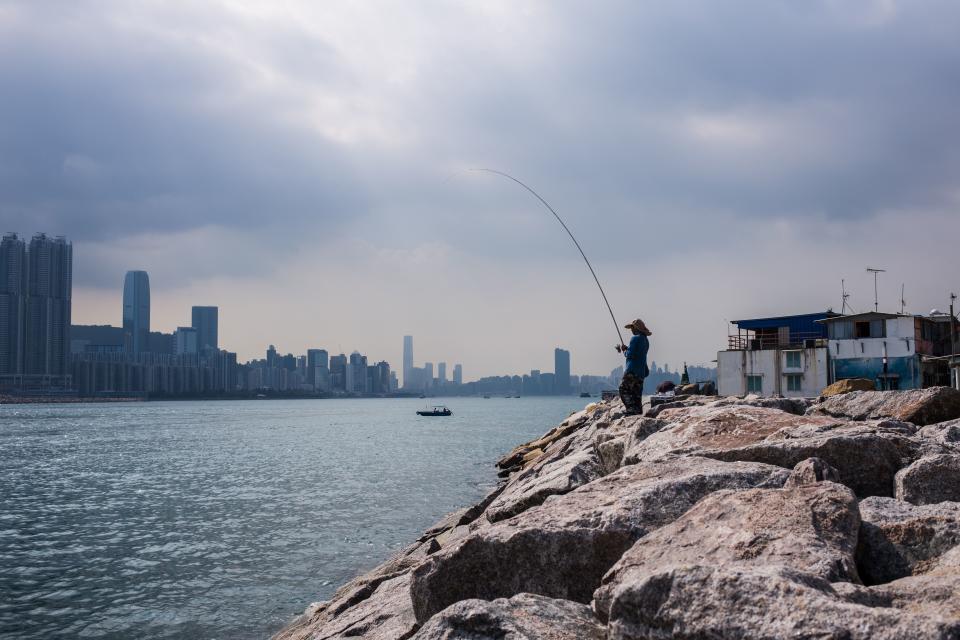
(569, 233)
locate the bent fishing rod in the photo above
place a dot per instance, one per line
(569, 233)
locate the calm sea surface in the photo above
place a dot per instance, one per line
(225, 519)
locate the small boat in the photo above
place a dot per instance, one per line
(435, 411)
(584, 395)
(486, 396)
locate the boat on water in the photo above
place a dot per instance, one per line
(438, 410)
(584, 395)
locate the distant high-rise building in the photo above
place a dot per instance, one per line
(458, 374)
(186, 341)
(561, 369)
(442, 372)
(205, 322)
(318, 369)
(136, 310)
(13, 300)
(273, 359)
(407, 360)
(49, 292)
(338, 373)
(427, 374)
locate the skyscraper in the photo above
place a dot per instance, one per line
(136, 311)
(204, 320)
(561, 369)
(49, 292)
(442, 372)
(407, 361)
(458, 374)
(13, 293)
(318, 371)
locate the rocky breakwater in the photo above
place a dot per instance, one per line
(706, 518)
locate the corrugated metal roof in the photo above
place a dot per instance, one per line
(801, 323)
(869, 315)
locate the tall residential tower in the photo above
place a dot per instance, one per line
(48, 309)
(13, 300)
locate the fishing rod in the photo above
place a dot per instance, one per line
(569, 233)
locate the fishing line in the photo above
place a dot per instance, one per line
(569, 233)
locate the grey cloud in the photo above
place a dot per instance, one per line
(637, 120)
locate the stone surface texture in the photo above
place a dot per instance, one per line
(522, 617)
(929, 480)
(919, 406)
(706, 518)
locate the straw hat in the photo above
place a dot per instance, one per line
(639, 326)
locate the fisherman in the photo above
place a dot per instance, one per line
(631, 387)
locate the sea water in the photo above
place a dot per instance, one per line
(226, 519)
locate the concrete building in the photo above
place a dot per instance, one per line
(895, 351)
(561, 369)
(136, 311)
(13, 300)
(442, 373)
(458, 374)
(46, 337)
(782, 356)
(186, 341)
(204, 320)
(797, 356)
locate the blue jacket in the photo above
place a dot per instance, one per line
(636, 354)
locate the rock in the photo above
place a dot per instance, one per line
(866, 455)
(713, 427)
(898, 539)
(932, 593)
(929, 480)
(944, 433)
(811, 529)
(522, 617)
(796, 406)
(383, 613)
(610, 451)
(519, 455)
(768, 603)
(563, 547)
(919, 406)
(847, 386)
(811, 471)
(678, 402)
(561, 475)
(688, 389)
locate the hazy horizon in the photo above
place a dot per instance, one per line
(299, 165)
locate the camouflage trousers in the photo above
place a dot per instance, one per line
(631, 393)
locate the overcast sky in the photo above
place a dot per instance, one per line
(299, 164)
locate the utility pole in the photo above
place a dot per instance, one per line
(953, 341)
(876, 298)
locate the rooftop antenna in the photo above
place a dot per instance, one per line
(844, 306)
(903, 302)
(876, 298)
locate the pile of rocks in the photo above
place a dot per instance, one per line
(710, 518)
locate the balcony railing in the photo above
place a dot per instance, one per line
(749, 342)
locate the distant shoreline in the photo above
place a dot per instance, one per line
(8, 399)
